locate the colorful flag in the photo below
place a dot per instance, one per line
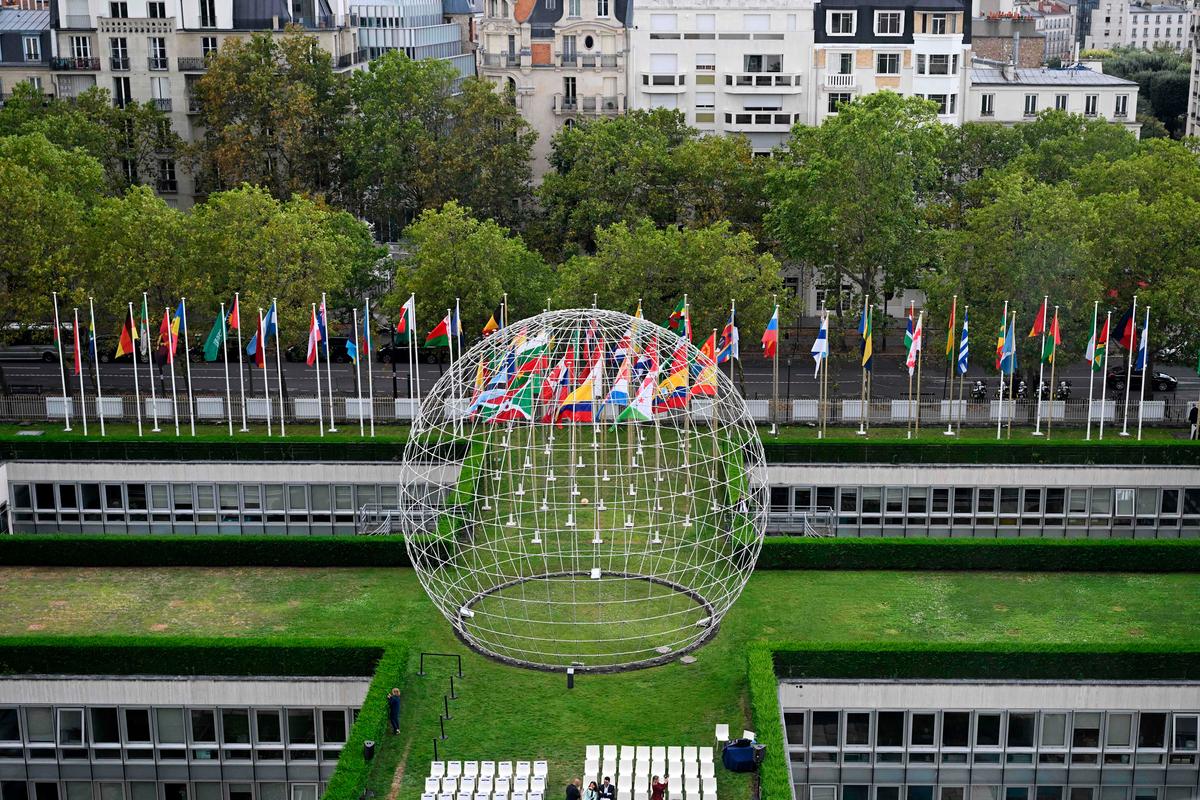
(1008, 358)
(1053, 340)
(314, 339)
(1125, 330)
(1143, 352)
(915, 344)
(820, 347)
(619, 395)
(672, 391)
(323, 324)
(1039, 321)
(408, 319)
(166, 340)
(730, 344)
(868, 336)
(216, 338)
(533, 354)
(577, 406)
(705, 384)
(258, 345)
(519, 405)
(1000, 342)
(950, 330)
(78, 348)
(770, 337)
(1097, 344)
(638, 314)
(270, 322)
(440, 335)
(495, 322)
(964, 352)
(642, 407)
(675, 321)
(129, 336)
(908, 335)
(234, 320)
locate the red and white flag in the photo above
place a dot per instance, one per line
(314, 338)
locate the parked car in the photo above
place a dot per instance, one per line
(30, 343)
(1159, 381)
(337, 351)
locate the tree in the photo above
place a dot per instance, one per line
(849, 197)
(1162, 76)
(658, 265)
(1058, 142)
(270, 108)
(453, 255)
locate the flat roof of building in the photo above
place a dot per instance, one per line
(1044, 76)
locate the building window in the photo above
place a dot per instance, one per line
(889, 23)
(1031, 105)
(601, 8)
(706, 22)
(937, 23)
(569, 96)
(573, 8)
(118, 9)
(939, 64)
(1090, 104)
(953, 104)
(921, 59)
(1060, 102)
(81, 47)
(706, 62)
(166, 175)
(706, 100)
(663, 22)
(158, 52)
(208, 45)
(157, 9)
(887, 64)
(118, 53)
(836, 99)
(987, 105)
(845, 63)
(762, 63)
(841, 23)
(942, 102)
(756, 22)
(33, 48)
(1121, 108)
(208, 13)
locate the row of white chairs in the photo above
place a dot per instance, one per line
(643, 769)
(479, 796)
(611, 752)
(629, 785)
(498, 786)
(487, 769)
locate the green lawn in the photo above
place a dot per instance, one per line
(509, 713)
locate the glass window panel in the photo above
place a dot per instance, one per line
(1185, 732)
(779, 498)
(137, 725)
(1102, 502)
(1147, 501)
(10, 726)
(170, 725)
(159, 498)
(962, 500)
(297, 498)
(1054, 730)
(204, 725)
(985, 793)
(870, 499)
(825, 496)
(802, 498)
(39, 721)
(304, 791)
(105, 729)
(1049, 793)
(44, 494)
(890, 729)
(207, 790)
(922, 730)
(143, 790)
(1086, 731)
(956, 727)
(987, 501)
(987, 730)
(389, 495)
(252, 497)
(1021, 730)
(953, 793)
(333, 726)
(851, 792)
(1170, 501)
(66, 496)
(1152, 729)
(206, 498)
(227, 493)
(793, 726)
(267, 726)
(70, 726)
(1124, 502)
(1033, 501)
(1120, 730)
(79, 790)
(887, 793)
(858, 728)
(343, 498)
(89, 494)
(235, 726)
(920, 793)
(825, 729)
(274, 497)
(1009, 498)
(320, 497)
(181, 493)
(112, 791)
(137, 496)
(272, 791)
(1016, 793)
(916, 500)
(940, 503)
(849, 500)
(301, 726)
(21, 496)
(1055, 501)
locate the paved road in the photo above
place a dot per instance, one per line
(889, 380)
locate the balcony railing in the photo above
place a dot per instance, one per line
(350, 59)
(501, 60)
(569, 104)
(118, 63)
(157, 63)
(659, 79)
(541, 32)
(761, 119)
(86, 64)
(761, 80)
(611, 104)
(192, 63)
(194, 105)
(162, 103)
(589, 104)
(840, 81)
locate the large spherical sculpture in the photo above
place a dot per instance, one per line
(584, 489)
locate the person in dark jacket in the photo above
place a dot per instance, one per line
(394, 710)
(1192, 421)
(608, 789)
(573, 789)
(658, 789)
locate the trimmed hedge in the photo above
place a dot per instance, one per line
(142, 655)
(767, 662)
(350, 776)
(778, 553)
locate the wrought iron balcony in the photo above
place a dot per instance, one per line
(86, 64)
(192, 63)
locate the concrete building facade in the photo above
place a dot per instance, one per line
(1002, 93)
(1144, 25)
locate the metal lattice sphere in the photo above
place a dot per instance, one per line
(584, 488)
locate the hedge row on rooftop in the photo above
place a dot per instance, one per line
(778, 553)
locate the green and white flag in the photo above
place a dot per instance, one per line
(216, 338)
(641, 408)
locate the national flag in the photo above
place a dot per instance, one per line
(868, 337)
(676, 320)
(950, 330)
(638, 314)
(440, 335)
(1096, 346)
(1008, 359)
(770, 337)
(258, 346)
(78, 348)
(167, 341)
(145, 325)
(314, 339)
(234, 320)
(456, 328)
(1143, 352)
(908, 340)
(915, 345)
(1039, 321)
(129, 336)
(504, 370)
(1053, 340)
(619, 395)
(92, 354)
(175, 326)
(407, 324)
(519, 405)
(1000, 341)
(323, 324)
(578, 405)
(730, 343)
(1124, 331)
(642, 407)
(705, 384)
(495, 322)
(820, 347)
(215, 340)
(672, 390)
(533, 354)
(480, 381)
(964, 351)
(270, 322)
(489, 402)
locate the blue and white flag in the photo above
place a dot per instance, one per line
(1143, 345)
(820, 348)
(964, 353)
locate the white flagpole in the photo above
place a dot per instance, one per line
(962, 375)
(279, 369)
(412, 344)
(729, 344)
(953, 367)
(1145, 371)
(96, 362)
(187, 365)
(150, 359)
(62, 365)
(1037, 431)
(171, 342)
(1012, 407)
(237, 307)
(1092, 369)
(370, 372)
(1104, 372)
(1129, 366)
(317, 364)
(774, 366)
(328, 361)
(260, 349)
(1004, 338)
(79, 355)
(225, 363)
(862, 386)
(358, 374)
(137, 394)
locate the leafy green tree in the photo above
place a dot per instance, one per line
(657, 265)
(1162, 75)
(1057, 143)
(270, 108)
(849, 197)
(453, 255)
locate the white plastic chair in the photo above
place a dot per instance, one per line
(487, 769)
(610, 752)
(706, 769)
(482, 796)
(658, 767)
(643, 753)
(453, 769)
(502, 786)
(691, 785)
(518, 796)
(432, 786)
(465, 796)
(521, 784)
(590, 768)
(722, 733)
(608, 768)
(593, 752)
(437, 769)
(674, 753)
(658, 753)
(624, 768)
(641, 784)
(535, 796)
(540, 769)
(538, 784)
(428, 796)
(445, 796)
(641, 796)
(689, 754)
(706, 755)
(504, 769)
(466, 785)
(470, 769)
(484, 786)
(675, 768)
(751, 735)
(642, 770)
(449, 785)
(691, 769)
(709, 785)
(627, 752)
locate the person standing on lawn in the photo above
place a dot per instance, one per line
(393, 701)
(658, 789)
(573, 789)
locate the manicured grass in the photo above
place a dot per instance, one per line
(508, 713)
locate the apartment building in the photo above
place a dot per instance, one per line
(1144, 25)
(417, 28)
(744, 67)
(1007, 94)
(914, 47)
(1056, 23)
(1192, 126)
(25, 48)
(564, 59)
